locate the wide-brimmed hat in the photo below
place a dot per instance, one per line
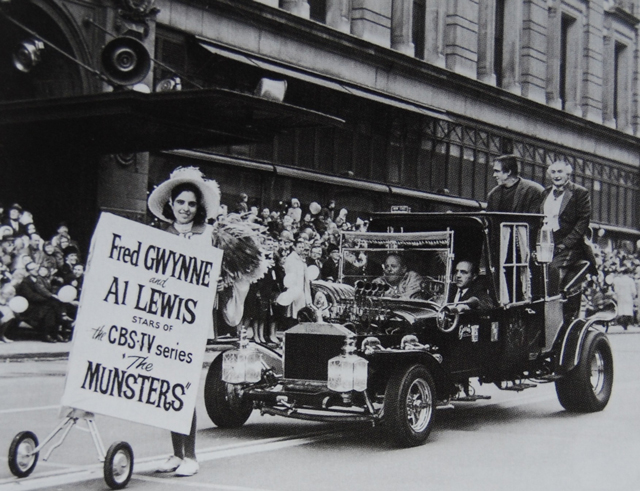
(6, 233)
(209, 190)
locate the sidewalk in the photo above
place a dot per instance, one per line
(35, 350)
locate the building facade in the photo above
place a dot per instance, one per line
(430, 91)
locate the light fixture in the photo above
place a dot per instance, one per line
(28, 54)
(347, 371)
(169, 84)
(271, 89)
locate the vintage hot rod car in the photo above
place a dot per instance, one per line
(364, 354)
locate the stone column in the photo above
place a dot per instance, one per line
(624, 63)
(435, 26)
(371, 20)
(553, 57)
(297, 7)
(593, 64)
(462, 37)
(402, 27)
(486, 41)
(608, 79)
(534, 49)
(339, 15)
(512, 40)
(573, 75)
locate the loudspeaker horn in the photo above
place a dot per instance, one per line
(125, 60)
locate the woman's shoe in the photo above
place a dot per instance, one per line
(189, 467)
(170, 465)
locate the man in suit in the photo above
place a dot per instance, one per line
(513, 193)
(567, 210)
(470, 293)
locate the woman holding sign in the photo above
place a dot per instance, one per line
(186, 201)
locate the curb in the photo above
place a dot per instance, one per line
(64, 355)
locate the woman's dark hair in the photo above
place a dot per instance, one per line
(201, 214)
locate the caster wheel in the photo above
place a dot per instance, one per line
(118, 465)
(22, 458)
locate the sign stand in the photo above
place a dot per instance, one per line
(118, 460)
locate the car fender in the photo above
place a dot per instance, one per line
(573, 340)
(383, 363)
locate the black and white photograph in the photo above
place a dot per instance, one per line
(320, 245)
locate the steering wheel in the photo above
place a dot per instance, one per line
(447, 320)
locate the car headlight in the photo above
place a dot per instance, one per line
(348, 371)
(243, 365)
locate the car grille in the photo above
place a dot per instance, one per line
(309, 346)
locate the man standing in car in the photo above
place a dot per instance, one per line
(567, 210)
(513, 193)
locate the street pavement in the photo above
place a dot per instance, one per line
(522, 442)
(39, 350)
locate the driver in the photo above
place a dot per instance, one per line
(470, 293)
(402, 283)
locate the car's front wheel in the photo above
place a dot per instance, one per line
(224, 405)
(409, 406)
(587, 388)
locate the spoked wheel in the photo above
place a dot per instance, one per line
(409, 406)
(118, 465)
(587, 388)
(22, 455)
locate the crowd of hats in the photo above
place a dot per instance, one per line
(22, 246)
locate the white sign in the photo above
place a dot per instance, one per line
(142, 326)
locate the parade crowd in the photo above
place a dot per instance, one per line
(298, 234)
(36, 270)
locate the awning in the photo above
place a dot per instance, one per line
(320, 79)
(308, 175)
(129, 121)
(616, 229)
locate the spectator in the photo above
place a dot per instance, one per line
(295, 212)
(315, 257)
(71, 258)
(7, 247)
(329, 270)
(242, 205)
(298, 292)
(48, 259)
(42, 313)
(624, 288)
(13, 220)
(7, 317)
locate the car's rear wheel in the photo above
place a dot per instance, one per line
(409, 406)
(224, 405)
(587, 388)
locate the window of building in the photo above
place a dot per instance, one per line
(318, 10)
(418, 30)
(565, 28)
(498, 41)
(621, 98)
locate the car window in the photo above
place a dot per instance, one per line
(412, 266)
(515, 277)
